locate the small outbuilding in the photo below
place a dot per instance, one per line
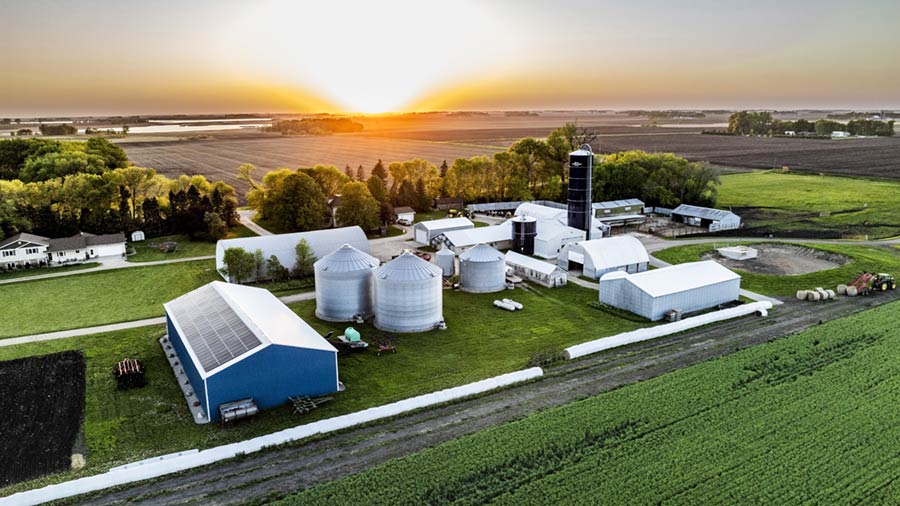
(599, 256)
(482, 269)
(538, 271)
(405, 215)
(425, 231)
(712, 219)
(685, 288)
(496, 236)
(138, 236)
(237, 342)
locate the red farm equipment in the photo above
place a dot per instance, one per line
(868, 282)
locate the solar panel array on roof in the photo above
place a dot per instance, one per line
(211, 327)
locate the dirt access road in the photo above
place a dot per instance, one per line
(271, 474)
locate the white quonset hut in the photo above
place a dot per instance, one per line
(236, 342)
(425, 231)
(712, 219)
(482, 269)
(344, 289)
(686, 287)
(599, 256)
(538, 271)
(446, 260)
(408, 295)
(283, 246)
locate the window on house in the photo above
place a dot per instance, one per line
(61, 254)
(9, 253)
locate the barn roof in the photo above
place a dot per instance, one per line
(220, 323)
(445, 223)
(527, 262)
(614, 204)
(705, 213)
(676, 278)
(614, 252)
(473, 236)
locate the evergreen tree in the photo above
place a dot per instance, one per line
(380, 171)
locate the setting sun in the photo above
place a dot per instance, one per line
(370, 57)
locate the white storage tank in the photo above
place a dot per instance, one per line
(446, 260)
(408, 295)
(482, 269)
(344, 284)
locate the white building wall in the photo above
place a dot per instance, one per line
(20, 257)
(107, 250)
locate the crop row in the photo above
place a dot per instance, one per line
(807, 418)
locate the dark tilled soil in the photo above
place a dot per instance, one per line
(41, 408)
(278, 472)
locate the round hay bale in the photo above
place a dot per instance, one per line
(801, 294)
(813, 296)
(831, 294)
(842, 289)
(822, 293)
(851, 291)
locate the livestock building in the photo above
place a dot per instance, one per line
(599, 256)
(236, 342)
(685, 288)
(553, 232)
(712, 219)
(425, 231)
(496, 236)
(538, 271)
(283, 246)
(620, 213)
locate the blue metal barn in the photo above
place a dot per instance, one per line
(236, 342)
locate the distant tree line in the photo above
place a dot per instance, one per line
(57, 129)
(315, 126)
(56, 189)
(763, 123)
(241, 265)
(530, 169)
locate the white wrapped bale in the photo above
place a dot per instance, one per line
(842, 289)
(851, 291)
(822, 293)
(813, 296)
(831, 294)
(513, 303)
(801, 294)
(504, 305)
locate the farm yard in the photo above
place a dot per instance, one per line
(42, 400)
(480, 342)
(804, 419)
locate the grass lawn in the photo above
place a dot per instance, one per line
(479, 224)
(430, 215)
(481, 341)
(392, 231)
(187, 248)
(97, 298)
(26, 273)
(864, 258)
(791, 202)
(270, 225)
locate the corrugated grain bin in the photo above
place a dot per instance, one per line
(482, 269)
(446, 260)
(408, 295)
(344, 284)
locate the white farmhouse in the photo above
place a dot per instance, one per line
(84, 246)
(23, 250)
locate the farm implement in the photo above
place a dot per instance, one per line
(867, 283)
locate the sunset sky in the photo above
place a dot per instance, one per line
(157, 57)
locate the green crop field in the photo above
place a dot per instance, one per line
(863, 258)
(481, 341)
(780, 202)
(187, 248)
(97, 298)
(807, 419)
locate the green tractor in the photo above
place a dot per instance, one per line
(870, 282)
(883, 282)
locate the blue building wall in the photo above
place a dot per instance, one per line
(185, 358)
(271, 375)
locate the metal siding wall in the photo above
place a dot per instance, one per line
(185, 359)
(273, 374)
(697, 299)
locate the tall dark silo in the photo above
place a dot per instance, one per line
(581, 164)
(524, 230)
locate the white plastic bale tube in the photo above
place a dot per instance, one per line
(212, 455)
(504, 305)
(636, 336)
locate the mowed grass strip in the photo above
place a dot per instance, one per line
(97, 298)
(851, 206)
(481, 341)
(863, 258)
(806, 419)
(187, 247)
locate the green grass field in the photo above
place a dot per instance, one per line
(780, 202)
(392, 231)
(807, 419)
(864, 258)
(97, 298)
(26, 273)
(481, 341)
(187, 248)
